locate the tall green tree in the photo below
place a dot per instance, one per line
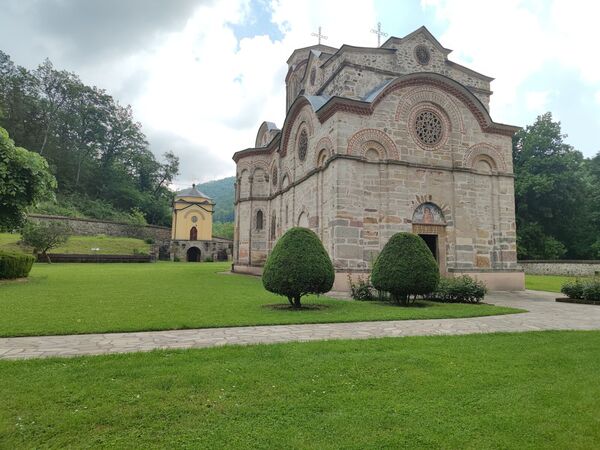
(551, 193)
(24, 180)
(594, 205)
(94, 146)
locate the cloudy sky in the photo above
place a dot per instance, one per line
(202, 75)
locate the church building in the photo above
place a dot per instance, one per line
(191, 229)
(377, 141)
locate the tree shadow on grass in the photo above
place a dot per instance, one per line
(288, 307)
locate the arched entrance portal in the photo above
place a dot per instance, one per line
(193, 254)
(429, 223)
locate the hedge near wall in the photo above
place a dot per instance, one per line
(15, 265)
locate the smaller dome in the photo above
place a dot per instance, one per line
(191, 192)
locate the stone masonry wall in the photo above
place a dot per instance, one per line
(572, 268)
(93, 227)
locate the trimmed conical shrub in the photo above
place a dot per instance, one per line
(298, 265)
(405, 267)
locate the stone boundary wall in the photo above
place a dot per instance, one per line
(567, 267)
(93, 227)
(75, 258)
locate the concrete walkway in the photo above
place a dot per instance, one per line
(543, 314)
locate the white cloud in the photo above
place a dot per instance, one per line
(208, 89)
(504, 40)
(515, 41)
(537, 101)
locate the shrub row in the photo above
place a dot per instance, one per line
(587, 289)
(462, 289)
(15, 265)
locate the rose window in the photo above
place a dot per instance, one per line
(428, 127)
(422, 54)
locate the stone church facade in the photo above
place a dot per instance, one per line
(377, 141)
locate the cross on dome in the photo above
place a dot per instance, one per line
(379, 33)
(319, 35)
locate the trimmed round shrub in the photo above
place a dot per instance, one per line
(15, 265)
(298, 265)
(405, 267)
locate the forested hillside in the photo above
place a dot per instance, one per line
(222, 193)
(95, 148)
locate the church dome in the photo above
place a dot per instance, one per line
(192, 192)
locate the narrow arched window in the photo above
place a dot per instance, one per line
(193, 234)
(273, 226)
(259, 220)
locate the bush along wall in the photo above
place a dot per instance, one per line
(462, 289)
(582, 291)
(15, 265)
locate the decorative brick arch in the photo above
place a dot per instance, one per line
(303, 120)
(243, 166)
(300, 112)
(361, 141)
(487, 153)
(285, 173)
(303, 214)
(425, 95)
(324, 145)
(259, 164)
(245, 176)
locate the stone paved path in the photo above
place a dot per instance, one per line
(543, 314)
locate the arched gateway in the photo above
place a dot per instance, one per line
(378, 141)
(194, 254)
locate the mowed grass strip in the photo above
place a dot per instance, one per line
(105, 245)
(549, 283)
(529, 390)
(97, 298)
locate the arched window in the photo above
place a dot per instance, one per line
(273, 226)
(322, 158)
(193, 234)
(259, 220)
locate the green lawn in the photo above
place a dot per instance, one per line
(86, 298)
(107, 245)
(550, 283)
(530, 390)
